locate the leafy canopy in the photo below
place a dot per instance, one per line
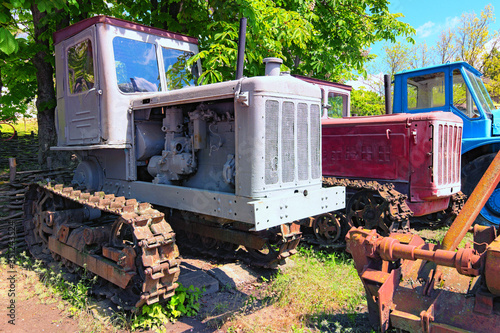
(325, 39)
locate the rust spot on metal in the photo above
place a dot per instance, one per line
(63, 233)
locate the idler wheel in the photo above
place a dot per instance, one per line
(328, 227)
(368, 210)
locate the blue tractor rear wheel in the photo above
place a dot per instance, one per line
(471, 174)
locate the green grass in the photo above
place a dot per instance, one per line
(23, 126)
(437, 235)
(319, 282)
(319, 291)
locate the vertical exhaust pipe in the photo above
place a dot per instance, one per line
(387, 89)
(241, 48)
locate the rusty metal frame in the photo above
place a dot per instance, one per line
(95, 264)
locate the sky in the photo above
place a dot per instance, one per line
(430, 17)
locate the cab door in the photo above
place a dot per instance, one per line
(82, 94)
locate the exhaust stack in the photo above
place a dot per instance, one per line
(241, 48)
(387, 89)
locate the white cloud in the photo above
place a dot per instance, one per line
(433, 29)
(426, 29)
(494, 42)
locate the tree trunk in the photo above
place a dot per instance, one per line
(46, 97)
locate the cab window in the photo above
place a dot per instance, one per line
(136, 65)
(338, 105)
(80, 67)
(177, 72)
(462, 98)
(426, 91)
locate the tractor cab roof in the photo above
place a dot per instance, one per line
(74, 29)
(437, 67)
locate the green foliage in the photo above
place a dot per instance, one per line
(8, 43)
(152, 316)
(492, 72)
(185, 302)
(11, 19)
(323, 39)
(17, 73)
(75, 293)
(366, 103)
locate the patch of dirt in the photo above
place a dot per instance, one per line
(27, 311)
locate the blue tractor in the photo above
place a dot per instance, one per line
(457, 87)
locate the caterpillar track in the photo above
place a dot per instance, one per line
(371, 205)
(124, 242)
(131, 246)
(374, 205)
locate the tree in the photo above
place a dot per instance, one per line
(397, 57)
(420, 56)
(491, 69)
(366, 103)
(472, 36)
(324, 39)
(17, 76)
(344, 32)
(445, 47)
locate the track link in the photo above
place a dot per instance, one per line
(125, 242)
(389, 214)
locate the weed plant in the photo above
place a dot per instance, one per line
(185, 302)
(436, 236)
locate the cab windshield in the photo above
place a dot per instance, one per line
(138, 68)
(481, 92)
(177, 71)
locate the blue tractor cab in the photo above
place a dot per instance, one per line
(457, 87)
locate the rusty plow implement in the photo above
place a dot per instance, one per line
(414, 286)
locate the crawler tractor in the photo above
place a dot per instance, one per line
(393, 166)
(229, 165)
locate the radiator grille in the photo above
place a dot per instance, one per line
(448, 155)
(302, 142)
(292, 142)
(272, 118)
(288, 141)
(315, 141)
